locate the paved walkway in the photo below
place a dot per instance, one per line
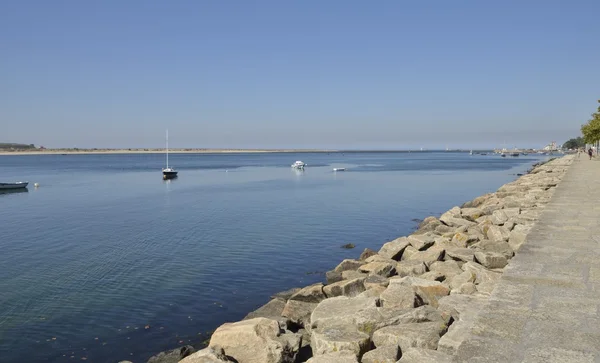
(546, 306)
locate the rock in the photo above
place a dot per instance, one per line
(420, 355)
(424, 313)
(335, 357)
(358, 311)
(374, 291)
(429, 256)
(441, 229)
(516, 239)
(285, 295)
(464, 310)
(351, 275)
(468, 288)
(271, 310)
(207, 355)
(420, 335)
(499, 217)
(462, 278)
(380, 258)
(491, 259)
(299, 312)
(172, 356)
(366, 254)
(460, 254)
(348, 288)
(428, 291)
(254, 341)
(310, 294)
(410, 268)
(477, 201)
(509, 225)
(422, 241)
(471, 214)
(500, 247)
(348, 246)
(482, 275)
(448, 269)
(379, 268)
(459, 239)
(333, 276)
(452, 213)
(395, 248)
(348, 264)
(339, 337)
(409, 251)
(374, 281)
(496, 233)
(433, 276)
(384, 354)
(399, 295)
(453, 218)
(429, 224)
(512, 212)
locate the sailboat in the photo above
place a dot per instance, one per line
(169, 172)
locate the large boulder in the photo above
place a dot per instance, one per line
(385, 269)
(499, 217)
(516, 238)
(420, 335)
(299, 312)
(471, 214)
(271, 310)
(428, 291)
(462, 278)
(395, 248)
(428, 256)
(257, 340)
(384, 354)
(477, 201)
(310, 294)
(207, 355)
(485, 280)
(348, 264)
(361, 312)
(351, 275)
(420, 355)
(372, 281)
(366, 253)
(500, 247)
(464, 310)
(172, 356)
(410, 268)
(335, 357)
(399, 295)
(496, 233)
(448, 269)
(341, 336)
(429, 224)
(491, 259)
(422, 241)
(348, 288)
(460, 254)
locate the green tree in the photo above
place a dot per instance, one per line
(591, 130)
(574, 143)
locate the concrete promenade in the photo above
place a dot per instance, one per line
(546, 306)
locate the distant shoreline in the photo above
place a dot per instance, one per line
(206, 151)
(156, 151)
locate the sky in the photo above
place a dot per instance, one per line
(297, 74)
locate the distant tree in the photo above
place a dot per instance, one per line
(574, 143)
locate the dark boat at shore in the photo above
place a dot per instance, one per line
(12, 186)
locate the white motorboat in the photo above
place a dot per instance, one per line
(339, 169)
(298, 165)
(16, 185)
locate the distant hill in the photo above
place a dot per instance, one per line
(15, 146)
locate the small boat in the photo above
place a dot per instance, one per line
(471, 153)
(514, 154)
(298, 165)
(339, 169)
(503, 155)
(17, 185)
(168, 172)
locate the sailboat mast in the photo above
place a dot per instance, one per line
(167, 148)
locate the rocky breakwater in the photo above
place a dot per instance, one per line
(412, 301)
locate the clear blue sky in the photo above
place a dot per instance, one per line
(314, 74)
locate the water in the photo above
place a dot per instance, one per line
(106, 261)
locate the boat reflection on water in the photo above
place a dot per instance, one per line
(13, 191)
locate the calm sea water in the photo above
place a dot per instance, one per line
(105, 261)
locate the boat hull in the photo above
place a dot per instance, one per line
(18, 185)
(169, 174)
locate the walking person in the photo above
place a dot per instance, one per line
(590, 153)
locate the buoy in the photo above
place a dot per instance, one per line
(36, 185)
